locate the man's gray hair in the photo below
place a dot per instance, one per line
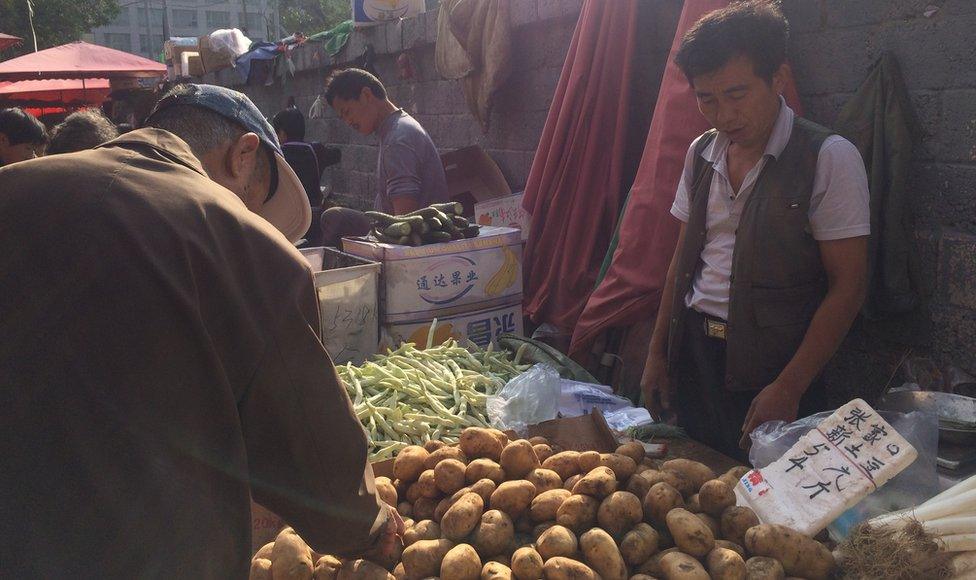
(202, 129)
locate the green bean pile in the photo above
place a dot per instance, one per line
(410, 396)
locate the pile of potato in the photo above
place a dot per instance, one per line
(495, 509)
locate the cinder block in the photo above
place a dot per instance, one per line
(959, 265)
(804, 15)
(935, 53)
(430, 28)
(414, 32)
(844, 13)
(944, 196)
(832, 61)
(550, 9)
(524, 12)
(953, 332)
(927, 110)
(957, 131)
(394, 36)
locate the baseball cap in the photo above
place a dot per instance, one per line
(287, 207)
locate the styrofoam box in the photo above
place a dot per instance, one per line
(347, 288)
(481, 327)
(504, 211)
(420, 283)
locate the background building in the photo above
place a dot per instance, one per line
(131, 33)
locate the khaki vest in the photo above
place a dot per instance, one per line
(777, 280)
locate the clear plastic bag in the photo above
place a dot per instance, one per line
(917, 483)
(628, 418)
(530, 398)
(578, 398)
(229, 40)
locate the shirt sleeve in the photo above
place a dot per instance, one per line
(401, 169)
(840, 204)
(681, 208)
(307, 451)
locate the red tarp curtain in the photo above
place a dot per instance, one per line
(94, 91)
(574, 188)
(631, 289)
(77, 60)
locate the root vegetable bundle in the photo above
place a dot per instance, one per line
(494, 509)
(438, 223)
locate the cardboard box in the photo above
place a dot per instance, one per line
(348, 293)
(481, 327)
(472, 177)
(505, 212)
(211, 59)
(424, 282)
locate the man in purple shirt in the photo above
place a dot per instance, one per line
(409, 173)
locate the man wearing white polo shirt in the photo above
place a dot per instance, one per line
(771, 263)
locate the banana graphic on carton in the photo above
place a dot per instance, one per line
(506, 275)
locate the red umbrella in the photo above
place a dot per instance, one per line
(6, 40)
(91, 91)
(79, 60)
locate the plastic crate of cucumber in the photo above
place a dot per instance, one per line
(438, 223)
(409, 396)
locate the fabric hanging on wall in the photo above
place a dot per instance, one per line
(647, 234)
(574, 188)
(880, 121)
(474, 44)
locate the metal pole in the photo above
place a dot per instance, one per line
(149, 35)
(30, 16)
(247, 28)
(165, 21)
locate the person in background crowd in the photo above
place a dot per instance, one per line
(409, 173)
(161, 360)
(81, 130)
(770, 267)
(22, 136)
(289, 125)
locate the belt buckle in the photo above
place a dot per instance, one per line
(715, 329)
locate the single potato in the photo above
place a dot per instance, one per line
(690, 534)
(423, 559)
(601, 554)
(562, 568)
(598, 482)
(680, 566)
(619, 512)
(494, 534)
(461, 563)
(527, 564)
(545, 505)
(578, 513)
(565, 463)
(484, 469)
(462, 517)
(449, 475)
(725, 564)
(478, 442)
(763, 568)
(544, 480)
(634, 449)
(735, 521)
(660, 500)
(513, 497)
(800, 555)
(409, 463)
(518, 459)
(639, 544)
(556, 541)
(715, 496)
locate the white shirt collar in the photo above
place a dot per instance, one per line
(780, 136)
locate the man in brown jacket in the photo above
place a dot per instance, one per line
(160, 361)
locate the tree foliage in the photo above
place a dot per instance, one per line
(312, 16)
(55, 21)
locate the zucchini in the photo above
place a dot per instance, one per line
(398, 229)
(452, 207)
(472, 231)
(381, 218)
(437, 237)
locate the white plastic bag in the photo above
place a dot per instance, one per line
(577, 399)
(530, 398)
(229, 40)
(915, 484)
(629, 417)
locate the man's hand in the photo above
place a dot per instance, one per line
(390, 540)
(776, 402)
(656, 387)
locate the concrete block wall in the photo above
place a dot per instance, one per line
(834, 44)
(542, 33)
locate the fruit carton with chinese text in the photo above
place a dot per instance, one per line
(435, 280)
(481, 327)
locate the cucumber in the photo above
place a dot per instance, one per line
(381, 218)
(435, 223)
(452, 207)
(398, 229)
(421, 227)
(460, 222)
(415, 239)
(438, 237)
(448, 224)
(472, 231)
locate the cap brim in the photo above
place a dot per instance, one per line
(288, 209)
